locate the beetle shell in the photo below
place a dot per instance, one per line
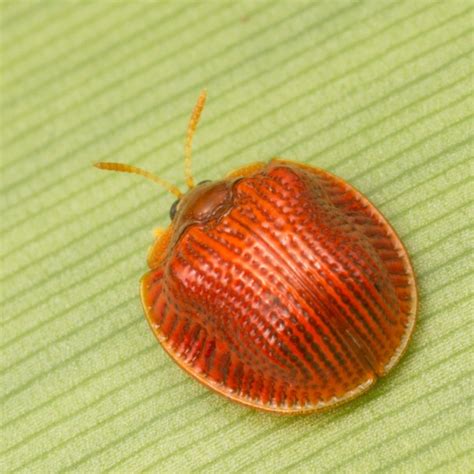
(282, 288)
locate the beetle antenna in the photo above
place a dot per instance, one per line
(193, 122)
(133, 169)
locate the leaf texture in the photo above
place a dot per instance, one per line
(379, 93)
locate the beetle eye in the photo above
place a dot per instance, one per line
(173, 209)
(204, 182)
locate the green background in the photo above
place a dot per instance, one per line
(378, 92)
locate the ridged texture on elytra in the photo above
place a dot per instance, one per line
(296, 299)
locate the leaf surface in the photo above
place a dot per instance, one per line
(379, 93)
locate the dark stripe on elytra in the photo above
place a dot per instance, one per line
(248, 381)
(283, 390)
(258, 384)
(193, 334)
(180, 335)
(174, 324)
(201, 345)
(224, 367)
(209, 356)
(270, 389)
(173, 321)
(165, 312)
(152, 288)
(154, 307)
(238, 375)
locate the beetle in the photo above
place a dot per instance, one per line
(279, 286)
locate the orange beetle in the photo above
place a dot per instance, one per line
(280, 286)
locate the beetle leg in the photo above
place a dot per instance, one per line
(246, 170)
(158, 232)
(158, 249)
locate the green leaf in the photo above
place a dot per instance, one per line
(380, 93)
